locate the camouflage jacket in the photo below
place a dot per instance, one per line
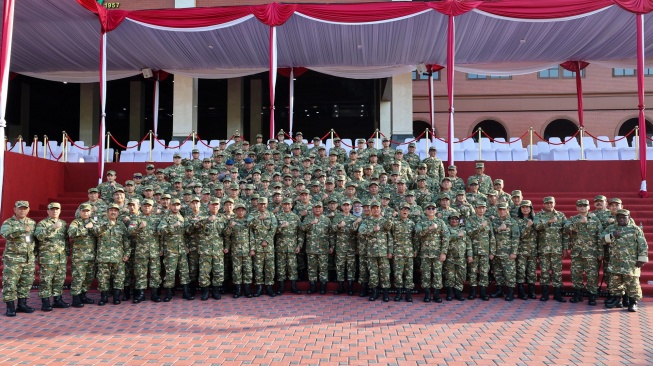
(527, 238)
(173, 241)
(262, 230)
(238, 237)
(583, 239)
(434, 242)
(403, 238)
(112, 242)
(629, 248)
(549, 236)
(147, 241)
(317, 235)
(345, 237)
(84, 242)
(290, 237)
(20, 239)
(507, 239)
(211, 235)
(482, 238)
(377, 241)
(51, 241)
(460, 247)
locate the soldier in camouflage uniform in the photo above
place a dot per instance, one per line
(479, 230)
(583, 232)
(317, 229)
(404, 250)
(52, 236)
(484, 181)
(459, 253)
(628, 253)
(288, 242)
(194, 226)
(239, 245)
(112, 253)
(527, 253)
(212, 250)
(548, 224)
(361, 250)
(411, 158)
(171, 228)
(107, 188)
(434, 236)
(376, 229)
(435, 168)
(344, 245)
(143, 229)
(82, 255)
(263, 226)
(18, 259)
(457, 183)
(506, 234)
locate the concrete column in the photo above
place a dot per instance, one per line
(184, 107)
(234, 106)
(89, 112)
(385, 116)
(185, 3)
(402, 106)
(255, 107)
(136, 110)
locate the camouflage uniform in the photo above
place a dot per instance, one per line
(344, 246)
(550, 245)
(147, 247)
(18, 258)
(106, 190)
(211, 251)
(287, 240)
(483, 246)
(507, 243)
(174, 249)
(82, 256)
(317, 247)
(193, 228)
(527, 253)
(361, 249)
(586, 246)
(484, 183)
(434, 243)
(459, 249)
(630, 247)
(52, 251)
(435, 168)
(263, 230)
(378, 250)
(403, 250)
(112, 246)
(239, 246)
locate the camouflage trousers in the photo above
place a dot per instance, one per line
(301, 262)
(621, 282)
(345, 263)
(228, 267)
(403, 272)
(286, 266)
(211, 264)
(504, 271)
(455, 272)
(318, 263)
(242, 273)
(141, 267)
(478, 271)
(431, 273)
(526, 269)
(129, 270)
(551, 269)
(363, 269)
(193, 265)
(589, 266)
(173, 263)
(264, 268)
(110, 276)
(379, 272)
(83, 273)
(52, 276)
(17, 279)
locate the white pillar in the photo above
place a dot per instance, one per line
(255, 108)
(89, 112)
(136, 109)
(385, 117)
(184, 107)
(402, 105)
(234, 106)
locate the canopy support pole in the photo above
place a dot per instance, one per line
(450, 66)
(640, 95)
(5, 60)
(273, 75)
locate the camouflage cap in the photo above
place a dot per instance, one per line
(206, 160)
(623, 212)
(410, 193)
(430, 204)
(385, 196)
(492, 193)
(229, 200)
(399, 151)
(345, 202)
(401, 181)
(600, 198)
(237, 134)
(615, 200)
(85, 207)
(472, 182)
(177, 155)
(189, 168)
(262, 200)
(160, 170)
(451, 167)
(516, 193)
(249, 187)
(113, 206)
(412, 144)
(195, 198)
(318, 204)
(526, 203)
(498, 181)
(138, 175)
(549, 199)
(195, 151)
(445, 197)
(461, 192)
(443, 179)
(149, 166)
(370, 141)
(213, 172)
(119, 190)
(148, 188)
(158, 192)
(148, 201)
(421, 177)
(341, 178)
(386, 139)
(166, 197)
(134, 201)
(111, 172)
(582, 202)
(374, 203)
(175, 201)
(481, 203)
(373, 182)
(479, 165)
(129, 183)
(304, 191)
(432, 148)
(299, 134)
(333, 152)
(177, 180)
(206, 191)
(245, 142)
(93, 190)
(502, 206)
(332, 199)
(405, 206)
(454, 214)
(287, 201)
(54, 205)
(352, 184)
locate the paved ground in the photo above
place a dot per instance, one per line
(328, 329)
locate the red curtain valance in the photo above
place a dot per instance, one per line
(297, 71)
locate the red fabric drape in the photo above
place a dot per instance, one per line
(297, 71)
(640, 96)
(539, 9)
(274, 14)
(454, 7)
(160, 75)
(635, 6)
(577, 67)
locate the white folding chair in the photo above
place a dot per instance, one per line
(593, 153)
(520, 154)
(610, 153)
(126, 157)
(559, 154)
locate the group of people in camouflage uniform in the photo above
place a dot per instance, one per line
(266, 213)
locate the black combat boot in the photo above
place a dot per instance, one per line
(398, 297)
(510, 293)
(373, 294)
(104, 298)
(575, 298)
(436, 296)
(45, 304)
(386, 298)
(193, 288)
(472, 293)
(23, 308)
(293, 287)
(77, 302)
(498, 293)
(259, 291)
(483, 294)
(323, 288)
(350, 287)
(187, 295)
(545, 293)
(612, 301)
(85, 299)
(248, 290)
(409, 295)
(215, 293)
(205, 293)
(139, 296)
(126, 294)
(625, 301)
(340, 289)
(116, 296)
(459, 295)
(311, 288)
(269, 291)
(592, 300)
(449, 294)
(58, 303)
(427, 295)
(557, 295)
(522, 292)
(11, 309)
(364, 289)
(155, 295)
(632, 305)
(531, 291)
(237, 291)
(280, 288)
(168, 296)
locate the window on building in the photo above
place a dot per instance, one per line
(630, 72)
(425, 76)
(558, 73)
(487, 77)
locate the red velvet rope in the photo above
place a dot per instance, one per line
(342, 142)
(557, 143)
(405, 142)
(615, 140)
(6, 142)
(504, 142)
(129, 147)
(466, 138)
(52, 154)
(202, 142)
(168, 146)
(80, 147)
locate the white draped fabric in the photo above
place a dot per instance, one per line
(364, 72)
(217, 73)
(81, 76)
